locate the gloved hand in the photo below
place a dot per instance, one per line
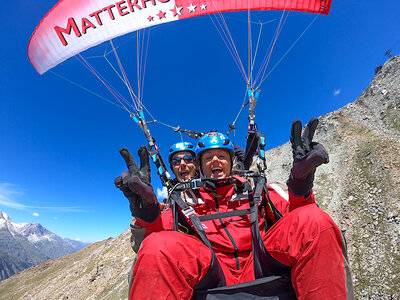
(307, 156)
(136, 186)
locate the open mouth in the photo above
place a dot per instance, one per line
(184, 174)
(216, 172)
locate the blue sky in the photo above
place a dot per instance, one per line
(59, 143)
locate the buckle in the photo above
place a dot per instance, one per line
(196, 184)
(188, 212)
(257, 200)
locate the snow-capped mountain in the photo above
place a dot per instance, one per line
(28, 244)
(7, 224)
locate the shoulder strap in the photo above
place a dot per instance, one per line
(188, 212)
(264, 263)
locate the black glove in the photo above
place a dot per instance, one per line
(307, 156)
(136, 186)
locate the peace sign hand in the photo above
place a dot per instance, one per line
(307, 156)
(136, 185)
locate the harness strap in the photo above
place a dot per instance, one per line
(260, 185)
(251, 148)
(264, 263)
(234, 213)
(255, 230)
(275, 211)
(214, 276)
(190, 214)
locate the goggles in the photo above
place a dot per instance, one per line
(177, 160)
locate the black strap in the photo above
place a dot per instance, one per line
(275, 211)
(255, 230)
(233, 213)
(191, 215)
(251, 148)
(264, 263)
(215, 276)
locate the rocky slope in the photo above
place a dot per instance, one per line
(10, 265)
(99, 271)
(360, 188)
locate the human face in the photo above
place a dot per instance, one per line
(184, 171)
(216, 163)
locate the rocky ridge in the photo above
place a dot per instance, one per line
(360, 186)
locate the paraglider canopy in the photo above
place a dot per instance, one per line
(73, 26)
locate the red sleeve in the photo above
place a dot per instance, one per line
(295, 202)
(286, 202)
(278, 199)
(163, 222)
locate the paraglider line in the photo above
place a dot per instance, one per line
(241, 108)
(154, 119)
(225, 39)
(145, 58)
(267, 58)
(103, 80)
(290, 48)
(232, 42)
(172, 127)
(180, 133)
(105, 84)
(161, 123)
(232, 46)
(253, 22)
(138, 63)
(87, 90)
(143, 66)
(116, 72)
(255, 53)
(119, 76)
(250, 44)
(228, 44)
(268, 54)
(126, 81)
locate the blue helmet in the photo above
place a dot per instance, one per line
(178, 147)
(213, 140)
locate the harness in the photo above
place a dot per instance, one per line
(265, 265)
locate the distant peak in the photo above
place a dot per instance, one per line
(4, 216)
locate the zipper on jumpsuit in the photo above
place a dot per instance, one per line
(229, 235)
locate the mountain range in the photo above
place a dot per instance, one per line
(24, 245)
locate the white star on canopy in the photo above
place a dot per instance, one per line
(192, 8)
(178, 10)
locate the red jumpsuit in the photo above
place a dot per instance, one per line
(171, 263)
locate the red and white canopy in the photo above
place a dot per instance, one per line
(73, 26)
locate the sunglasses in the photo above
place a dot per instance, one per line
(177, 160)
